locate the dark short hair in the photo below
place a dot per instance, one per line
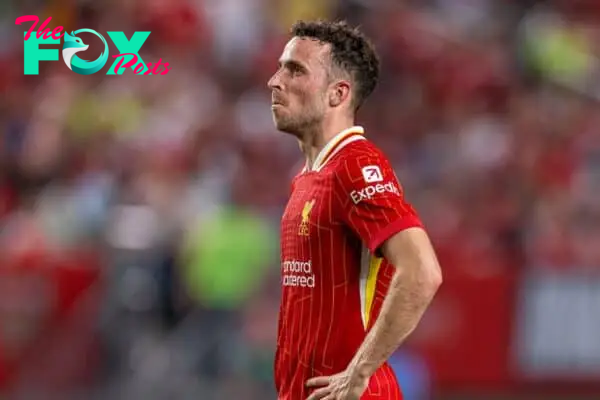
(351, 51)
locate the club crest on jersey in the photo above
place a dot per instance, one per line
(303, 230)
(372, 173)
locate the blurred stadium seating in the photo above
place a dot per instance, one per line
(139, 214)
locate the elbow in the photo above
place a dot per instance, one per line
(433, 279)
(438, 279)
(436, 274)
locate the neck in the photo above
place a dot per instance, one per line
(313, 140)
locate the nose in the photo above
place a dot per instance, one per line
(275, 82)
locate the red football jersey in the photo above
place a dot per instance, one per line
(340, 212)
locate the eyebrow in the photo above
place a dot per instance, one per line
(293, 63)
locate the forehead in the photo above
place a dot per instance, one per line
(307, 51)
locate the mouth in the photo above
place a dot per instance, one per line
(276, 101)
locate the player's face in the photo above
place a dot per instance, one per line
(299, 86)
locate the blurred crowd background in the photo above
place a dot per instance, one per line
(139, 214)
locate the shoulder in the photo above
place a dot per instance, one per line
(362, 160)
(361, 150)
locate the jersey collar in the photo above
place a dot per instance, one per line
(334, 145)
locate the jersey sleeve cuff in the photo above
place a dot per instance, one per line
(377, 240)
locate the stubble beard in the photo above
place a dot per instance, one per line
(299, 125)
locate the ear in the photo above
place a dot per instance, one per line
(339, 93)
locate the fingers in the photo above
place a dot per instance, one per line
(318, 381)
(319, 394)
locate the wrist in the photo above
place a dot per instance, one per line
(360, 369)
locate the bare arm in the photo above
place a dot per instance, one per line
(415, 282)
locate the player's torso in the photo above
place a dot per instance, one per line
(332, 287)
(320, 271)
(321, 322)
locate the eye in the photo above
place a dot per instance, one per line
(295, 69)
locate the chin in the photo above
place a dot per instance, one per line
(283, 124)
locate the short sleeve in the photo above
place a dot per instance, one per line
(372, 201)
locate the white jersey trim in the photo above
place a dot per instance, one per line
(338, 141)
(340, 147)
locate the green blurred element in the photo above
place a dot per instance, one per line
(227, 256)
(121, 114)
(560, 54)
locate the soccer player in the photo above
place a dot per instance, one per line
(358, 269)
